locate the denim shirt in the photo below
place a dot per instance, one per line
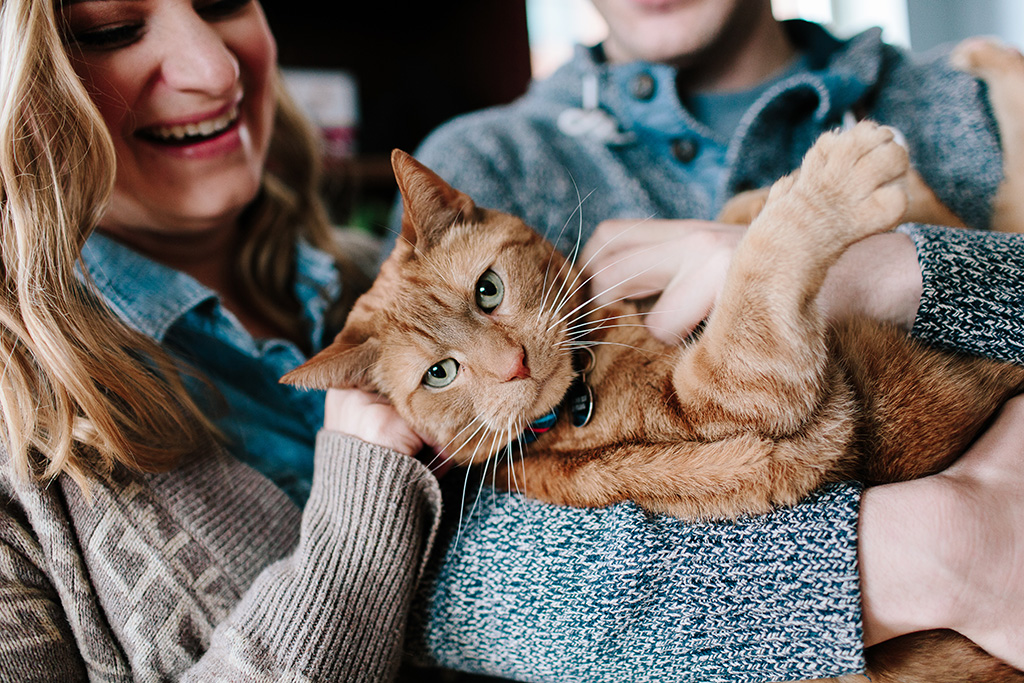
(269, 426)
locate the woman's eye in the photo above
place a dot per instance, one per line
(218, 9)
(441, 374)
(107, 38)
(489, 291)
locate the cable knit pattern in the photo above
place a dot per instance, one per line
(209, 572)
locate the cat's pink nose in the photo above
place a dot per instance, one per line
(517, 368)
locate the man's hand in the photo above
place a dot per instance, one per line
(683, 261)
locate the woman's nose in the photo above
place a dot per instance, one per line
(198, 59)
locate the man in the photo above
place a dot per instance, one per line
(646, 136)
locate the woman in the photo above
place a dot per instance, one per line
(132, 545)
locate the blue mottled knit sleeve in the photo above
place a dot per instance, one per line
(533, 592)
(973, 297)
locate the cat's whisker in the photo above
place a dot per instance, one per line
(516, 427)
(508, 459)
(462, 506)
(604, 343)
(571, 258)
(452, 440)
(587, 323)
(512, 464)
(573, 318)
(631, 277)
(522, 461)
(584, 328)
(483, 474)
(510, 439)
(564, 293)
(618, 236)
(465, 482)
(588, 327)
(613, 263)
(583, 332)
(597, 296)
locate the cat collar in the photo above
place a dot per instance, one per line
(579, 400)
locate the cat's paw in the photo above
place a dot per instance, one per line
(987, 58)
(855, 180)
(744, 207)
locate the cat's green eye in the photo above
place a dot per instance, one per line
(441, 374)
(489, 291)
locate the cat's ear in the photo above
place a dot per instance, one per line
(339, 366)
(430, 205)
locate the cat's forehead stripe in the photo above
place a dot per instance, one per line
(409, 327)
(512, 241)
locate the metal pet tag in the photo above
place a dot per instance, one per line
(581, 403)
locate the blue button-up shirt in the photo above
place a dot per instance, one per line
(270, 426)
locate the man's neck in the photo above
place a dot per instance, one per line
(766, 52)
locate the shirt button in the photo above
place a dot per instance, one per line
(642, 86)
(684, 149)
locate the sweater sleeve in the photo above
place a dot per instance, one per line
(534, 592)
(336, 608)
(972, 300)
(38, 643)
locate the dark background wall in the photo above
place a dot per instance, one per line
(416, 63)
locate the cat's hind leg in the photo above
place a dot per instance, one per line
(761, 362)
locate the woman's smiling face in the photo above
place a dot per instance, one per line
(187, 90)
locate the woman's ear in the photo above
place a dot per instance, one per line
(339, 366)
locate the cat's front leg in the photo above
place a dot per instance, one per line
(686, 479)
(762, 359)
(723, 479)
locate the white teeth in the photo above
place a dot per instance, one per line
(208, 127)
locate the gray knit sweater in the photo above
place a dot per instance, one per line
(210, 572)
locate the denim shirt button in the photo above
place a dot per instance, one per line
(684, 149)
(642, 86)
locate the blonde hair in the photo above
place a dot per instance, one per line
(291, 206)
(80, 391)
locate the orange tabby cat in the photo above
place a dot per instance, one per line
(473, 330)
(471, 326)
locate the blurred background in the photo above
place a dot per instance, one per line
(386, 73)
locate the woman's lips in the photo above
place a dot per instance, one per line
(191, 133)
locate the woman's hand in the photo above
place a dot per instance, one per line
(369, 417)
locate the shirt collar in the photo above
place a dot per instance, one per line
(152, 297)
(147, 295)
(841, 72)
